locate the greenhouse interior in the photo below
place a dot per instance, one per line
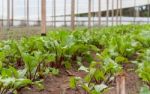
(74, 46)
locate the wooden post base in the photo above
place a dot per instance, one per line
(120, 84)
(43, 34)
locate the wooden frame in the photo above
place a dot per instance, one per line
(107, 13)
(12, 12)
(89, 15)
(8, 14)
(72, 14)
(43, 15)
(99, 13)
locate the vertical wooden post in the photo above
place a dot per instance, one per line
(148, 12)
(120, 84)
(99, 12)
(89, 15)
(54, 3)
(8, 14)
(107, 13)
(12, 11)
(112, 13)
(93, 15)
(120, 11)
(38, 10)
(1, 24)
(72, 14)
(43, 15)
(117, 12)
(77, 6)
(38, 13)
(65, 13)
(27, 12)
(1, 21)
(135, 11)
(2, 13)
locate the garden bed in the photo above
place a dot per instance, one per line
(80, 62)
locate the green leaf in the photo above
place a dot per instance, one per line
(145, 90)
(83, 68)
(100, 88)
(99, 75)
(121, 59)
(1, 65)
(87, 78)
(14, 72)
(86, 88)
(39, 85)
(8, 81)
(19, 83)
(22, 73)
(54, 71)
(72, 83)
(67, 64)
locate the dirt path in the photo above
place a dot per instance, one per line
(60, 84)
(57, 84)
(133, 83)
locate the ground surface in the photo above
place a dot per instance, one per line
(60, 84)
(57, 84)
(133, 82)
(18, 32)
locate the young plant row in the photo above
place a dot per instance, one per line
(118, 46)
(27, 61)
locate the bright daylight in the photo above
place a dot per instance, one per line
(74, 46)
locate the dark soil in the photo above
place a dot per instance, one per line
(133, 82)
(57, 84)
(60, 84)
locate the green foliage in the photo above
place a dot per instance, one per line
(30, 59)
(99, 76)
(144, 38)
(53, 71)
(11, 81)
(145, 90)
(144, 66)
(73, 82)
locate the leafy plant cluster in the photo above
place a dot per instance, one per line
(119, 46)
(99, 76)
(144, 70)
(31, 59)
(25, 62)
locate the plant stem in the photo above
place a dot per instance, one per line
(3, 90)
(36, 72)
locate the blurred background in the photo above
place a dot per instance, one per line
(25, 15)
